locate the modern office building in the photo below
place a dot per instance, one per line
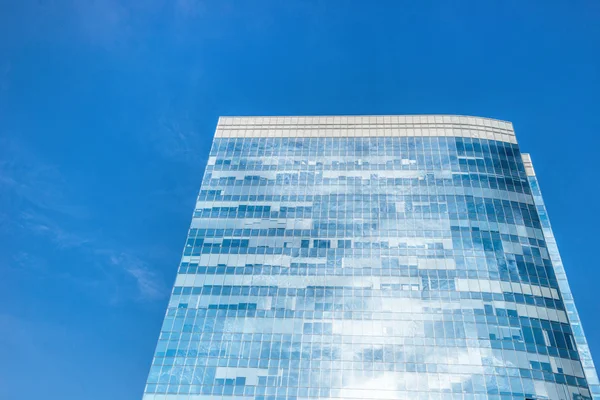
(370, 257)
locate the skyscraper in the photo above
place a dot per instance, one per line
(370, 257)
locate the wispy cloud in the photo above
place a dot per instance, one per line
(24, 260)
(107, 263)
(28, 182)
(149, 286)
(177, 138)
(39, 224)
(36, 203)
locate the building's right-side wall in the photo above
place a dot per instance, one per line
(563, 283)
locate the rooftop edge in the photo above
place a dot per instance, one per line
(364, 119)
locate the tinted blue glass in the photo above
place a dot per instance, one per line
(386, 267)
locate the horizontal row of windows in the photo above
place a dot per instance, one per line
(468, 206)
(174, 374)
(505, 389)
(319, 146)
(309, 269)
(460, 181)
(358, 293)
(442, 162)
(308, 194)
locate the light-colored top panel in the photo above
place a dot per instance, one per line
(366, 126)
(528, 164)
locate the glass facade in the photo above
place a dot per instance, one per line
(387, 257)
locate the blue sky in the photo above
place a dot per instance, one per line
(107, 110)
